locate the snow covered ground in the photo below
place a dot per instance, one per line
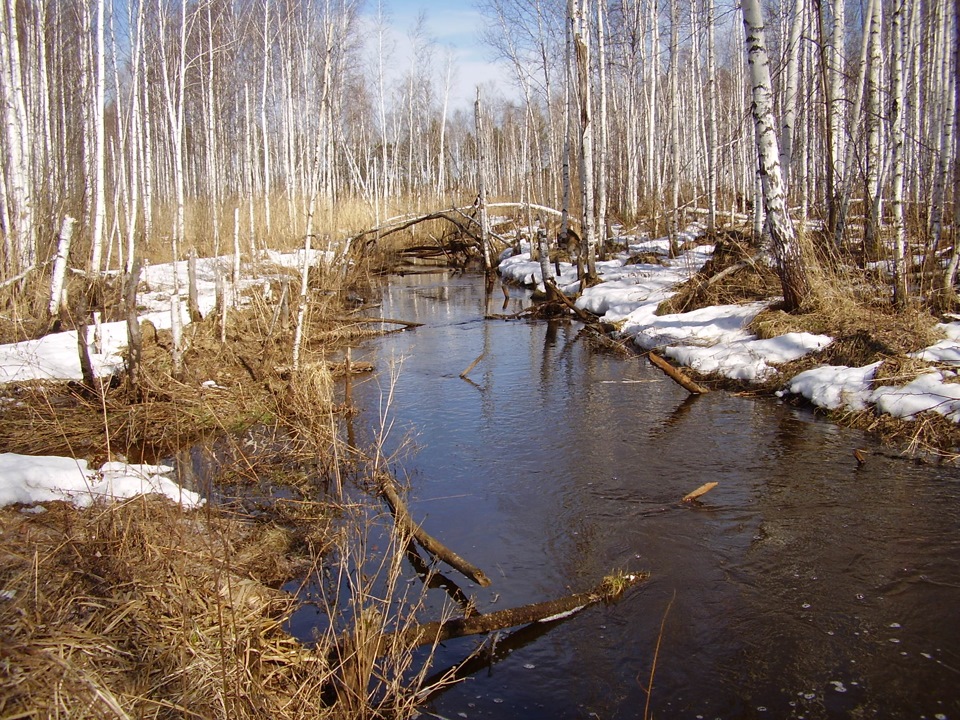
(713, 339)
(710, 340)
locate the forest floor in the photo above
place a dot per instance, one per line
(131, 605)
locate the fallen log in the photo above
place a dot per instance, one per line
(388, 488)
(677, 376)
(608, 590)
(383, 321)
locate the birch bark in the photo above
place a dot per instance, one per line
(581, 45)
(898, 138)
(18, 180)
(790, 262)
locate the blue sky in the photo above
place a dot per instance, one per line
(454, 25)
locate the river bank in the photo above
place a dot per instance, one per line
(867, 371)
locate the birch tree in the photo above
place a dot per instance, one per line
(19, 206)
(794, 280)
(711, 121)
(897, 140)
(581, 46)
(99, 153)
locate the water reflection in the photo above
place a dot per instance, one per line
(803, 586)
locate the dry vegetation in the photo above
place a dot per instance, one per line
(139, 609)
(853, 307)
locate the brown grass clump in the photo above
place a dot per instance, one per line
(138, 610)
(734, 274)
(862, 335)
(928, 437)
(899, 371)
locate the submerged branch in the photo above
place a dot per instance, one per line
(607, 591)
(388, 488)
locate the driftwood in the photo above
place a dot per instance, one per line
(388, 488)
(677, 376)
(472, 365)
(702, 490)
(607, 591)
(383, 321)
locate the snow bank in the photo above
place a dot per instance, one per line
(31, 479)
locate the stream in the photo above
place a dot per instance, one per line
(804, 586)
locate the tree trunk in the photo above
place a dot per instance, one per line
(60, 266)
(790, 262)
(898, 138)
(482, 187)
(20, 214)
(873, 189)
(581, 46)
(711, 121)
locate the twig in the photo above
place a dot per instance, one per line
(473, 365)
(656, 654)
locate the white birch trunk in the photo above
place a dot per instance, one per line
(264, 133)
(872, 193)
(18, 179)
(898, 138)
(99, 153)
(482, 186)
(60, 266)
(793, 277)
(943, 162)
(581, 45)
(711, 121)
(837, 95)
(674, 81)
(604, 160)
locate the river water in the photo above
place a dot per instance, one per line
(803, 586)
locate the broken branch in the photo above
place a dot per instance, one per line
(702, 490)
(473, 364)
(388, 488)
(385, 321)
(610, 589)
(677, 376)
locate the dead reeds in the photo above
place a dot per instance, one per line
(138, 610)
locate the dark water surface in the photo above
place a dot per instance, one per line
(803, 586)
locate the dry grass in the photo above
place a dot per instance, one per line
(139, 610)
(755, 280)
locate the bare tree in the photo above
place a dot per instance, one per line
(787, 251)
(19, 206)
(581, 44)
